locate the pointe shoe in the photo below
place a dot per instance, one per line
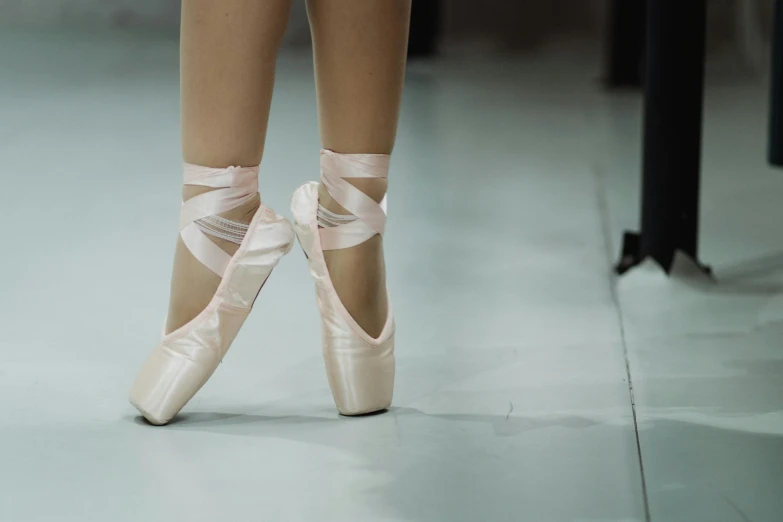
(360, 369)
(185, 358)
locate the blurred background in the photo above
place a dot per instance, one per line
(497, 25)
(534, 381)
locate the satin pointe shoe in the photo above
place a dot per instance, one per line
(360, 368)
(185, 358)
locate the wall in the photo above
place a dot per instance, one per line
(92, 13)
(157, 14)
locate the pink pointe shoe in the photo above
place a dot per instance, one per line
(360, 369)
(185, 358)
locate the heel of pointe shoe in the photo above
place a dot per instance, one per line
(301, 206)
(360, 369)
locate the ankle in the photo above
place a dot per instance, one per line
(241, 214)
(375, 188)
(244, 213)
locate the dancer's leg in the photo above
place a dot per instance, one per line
(227, 59)
(359, 49)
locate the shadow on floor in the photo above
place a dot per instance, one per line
(454, 467)
(462, 467)
(761, 276)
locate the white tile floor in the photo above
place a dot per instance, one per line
(511, 184)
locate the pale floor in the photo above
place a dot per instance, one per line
(511, 184)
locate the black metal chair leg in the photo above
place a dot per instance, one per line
(775, 146)
(425, 22)
(625, 43)
(674, 87)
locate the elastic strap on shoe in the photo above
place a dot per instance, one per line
(234, 186)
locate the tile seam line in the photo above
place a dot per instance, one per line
(603, 211)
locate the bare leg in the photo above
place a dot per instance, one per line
(228, 51)
(359, 49)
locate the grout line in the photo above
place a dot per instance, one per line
(603, 209)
